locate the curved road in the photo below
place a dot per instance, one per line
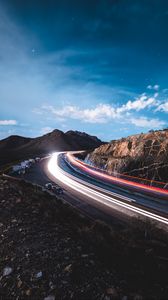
(97, 191)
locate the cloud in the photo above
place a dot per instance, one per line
(140, 103)
(163, 107)
(8, 122)
(101, 113)
(147, 123)
(156, 87)
(153, 87)
(156, 95)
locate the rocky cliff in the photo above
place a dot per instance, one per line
(143, 155)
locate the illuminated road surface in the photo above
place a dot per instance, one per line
(100, 195)
(160, 192)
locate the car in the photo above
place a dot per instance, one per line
(48, 186)
(54, 187)
(58, 190)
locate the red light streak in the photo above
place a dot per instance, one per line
(87, 168)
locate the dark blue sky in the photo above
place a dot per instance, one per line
(95, 66)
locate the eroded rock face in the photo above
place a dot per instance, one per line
(143, 155)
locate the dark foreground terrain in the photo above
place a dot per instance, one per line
(48, 251)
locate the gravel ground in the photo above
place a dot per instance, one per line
(48, 251)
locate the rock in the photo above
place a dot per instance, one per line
(138, 297)
(149, 251)
(28, 292)
(18, 200)
(84, 255)
(112, 292)
(19, 283)
(142, 155)
(7, 271)
(107, 298)
(50, 297)
(51, 285)
(39, 275)
(68, 268)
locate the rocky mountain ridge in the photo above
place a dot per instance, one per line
(142, 155)
(17, 147)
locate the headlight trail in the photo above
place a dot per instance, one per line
(98, 196)
(129, 183)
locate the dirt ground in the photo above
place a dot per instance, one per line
(48, 251)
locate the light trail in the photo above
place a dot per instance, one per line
(113, 179)
(98, 196)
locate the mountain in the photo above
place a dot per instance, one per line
(13, 142)
(17, 147)
(142, 155)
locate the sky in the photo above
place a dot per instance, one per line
(99, 66)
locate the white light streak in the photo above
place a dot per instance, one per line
(98, 196)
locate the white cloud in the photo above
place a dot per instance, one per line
(104, 113)
(153, 87)
(8, 122)
(163, 107)
(147, 123)
(140, 103)
(100, 114)
(156, 87)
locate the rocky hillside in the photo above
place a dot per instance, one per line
(17, 147)
(143, 155)
(50, 252)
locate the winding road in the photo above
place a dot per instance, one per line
(128, 200)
